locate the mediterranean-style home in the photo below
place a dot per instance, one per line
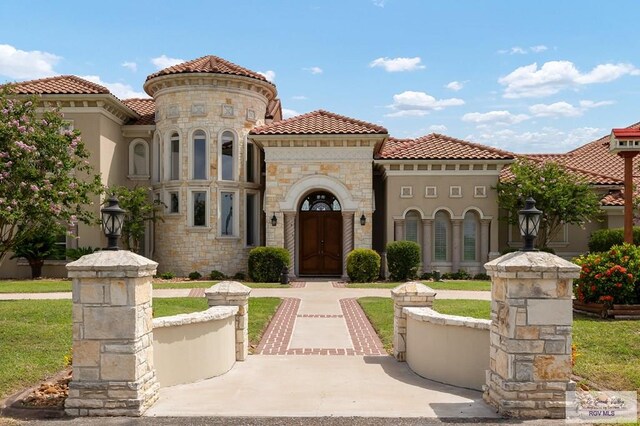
(212, 145)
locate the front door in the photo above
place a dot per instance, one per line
(320, 235)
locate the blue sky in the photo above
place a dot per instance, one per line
(543, 76)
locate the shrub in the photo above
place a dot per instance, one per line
(217, 275)
(481, 277)
(604, 239)
(77, 253)
(167, 275)
(266, 263)
(195, 275)
(547, 250)
(508, 250)
(363, 265)
(460, 275)
(240, 276)
(426, 276)
(403, 259)
(609, 277)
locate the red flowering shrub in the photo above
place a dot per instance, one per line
(611, 277)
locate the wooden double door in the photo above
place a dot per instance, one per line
(320, 239)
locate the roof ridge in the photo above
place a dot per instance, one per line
(75, 78)
(474, 144)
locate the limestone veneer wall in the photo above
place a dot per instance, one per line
(192, 347)
(447, 348)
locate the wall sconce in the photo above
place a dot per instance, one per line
(274, 220)
(363, 220)
(529, 221)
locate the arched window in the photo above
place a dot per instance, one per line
(227, 156)
(470, 237)
(139, 159)
(156, 159)
(199, 155)
(320, 202)
(174, 157)
(441, 237)
(411, 226)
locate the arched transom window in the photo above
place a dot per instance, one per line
(320, 201)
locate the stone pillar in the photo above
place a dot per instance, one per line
(113, 372)
(414, 294)
(347, 240)
(290, 239)
(456, 239)
(398, 227)
(484, 240)
(426, 244)
(531, 323)
(232, 293)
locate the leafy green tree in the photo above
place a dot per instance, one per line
(40, 245)
(562, 196)
(140, 209)
(44, 173)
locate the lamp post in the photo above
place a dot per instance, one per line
(112, 220)
(529, 223)
(626, 143)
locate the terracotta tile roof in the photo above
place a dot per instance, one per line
(592, 177)
(145, 107)
(320, 122)
(440, 147)
(613, 198)
(209, 64)
(62, 84)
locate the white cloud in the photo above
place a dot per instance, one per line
(379, 3)
(564, 109)
(411, 103)
(288, 113)
(554, 76)
(299, 98)
(22, 64)
(120, 90)
(455, 85)
(130, 65)
(269, 75)
(517, 50)
(499, 117)
(438, 128)
(314, 70)
(398, 64)
(547, 139)
(539, 48)
(164, 61)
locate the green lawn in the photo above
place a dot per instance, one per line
(440, 285)
(207, 284)
(609, 351)
(35, 335)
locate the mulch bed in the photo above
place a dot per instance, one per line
(611, 312)
(43, 401)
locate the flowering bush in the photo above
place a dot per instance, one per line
(609, 277)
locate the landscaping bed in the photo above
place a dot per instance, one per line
(468, 285)
(608, 311)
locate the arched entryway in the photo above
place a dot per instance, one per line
(320, 235)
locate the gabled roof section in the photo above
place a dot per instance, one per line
(320, 122)
(435, 146)
(59, 85)
(209, 64)
(589, 176)
(145, 107)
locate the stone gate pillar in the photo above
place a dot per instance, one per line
(113, 372)
(233, 293)
(531, 323)
(411, 294)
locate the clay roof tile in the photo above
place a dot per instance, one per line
(319, 122)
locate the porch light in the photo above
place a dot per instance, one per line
(363, 220)
(274, 220)
(112, 220)
(529, 221)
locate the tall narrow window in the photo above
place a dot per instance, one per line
(156, 159)
(227, 156)
(251, 168)
(199, 155)
(441, 237)
(470, 232)
(139, 159)
(226, 213)
(174, 157)
(411, 226)
(199, 208)
(252, 220)
(174, 202)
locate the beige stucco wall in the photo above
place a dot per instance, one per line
(448, 349)
(192, 347)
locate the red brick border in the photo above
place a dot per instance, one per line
(364, 338)
(275, 340)
(338, 284)
(199, 292)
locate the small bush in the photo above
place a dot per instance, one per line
(240, 276)
(426, 276)
(508, 250)
(266, 263)
(167, 275)
(403, 259)
(604, 239)
(481, 277)
(363, 265)
(77, 253)
(195, 275)
(217, 275)
(609, 277)
(460, 275)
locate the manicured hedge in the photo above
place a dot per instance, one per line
(266, 263)
(604, 239)
(403, 259)
(363, 265)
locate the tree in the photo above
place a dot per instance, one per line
(139, 211)
(44, 173)
(563, 197)
(39, 246)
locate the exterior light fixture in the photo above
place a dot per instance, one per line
(274, 220)
(529, 222)
(112, 220)
(363, 220)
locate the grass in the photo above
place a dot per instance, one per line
(608, 351)
(35, 335)
(440, 285)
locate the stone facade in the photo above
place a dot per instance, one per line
(530, 339)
